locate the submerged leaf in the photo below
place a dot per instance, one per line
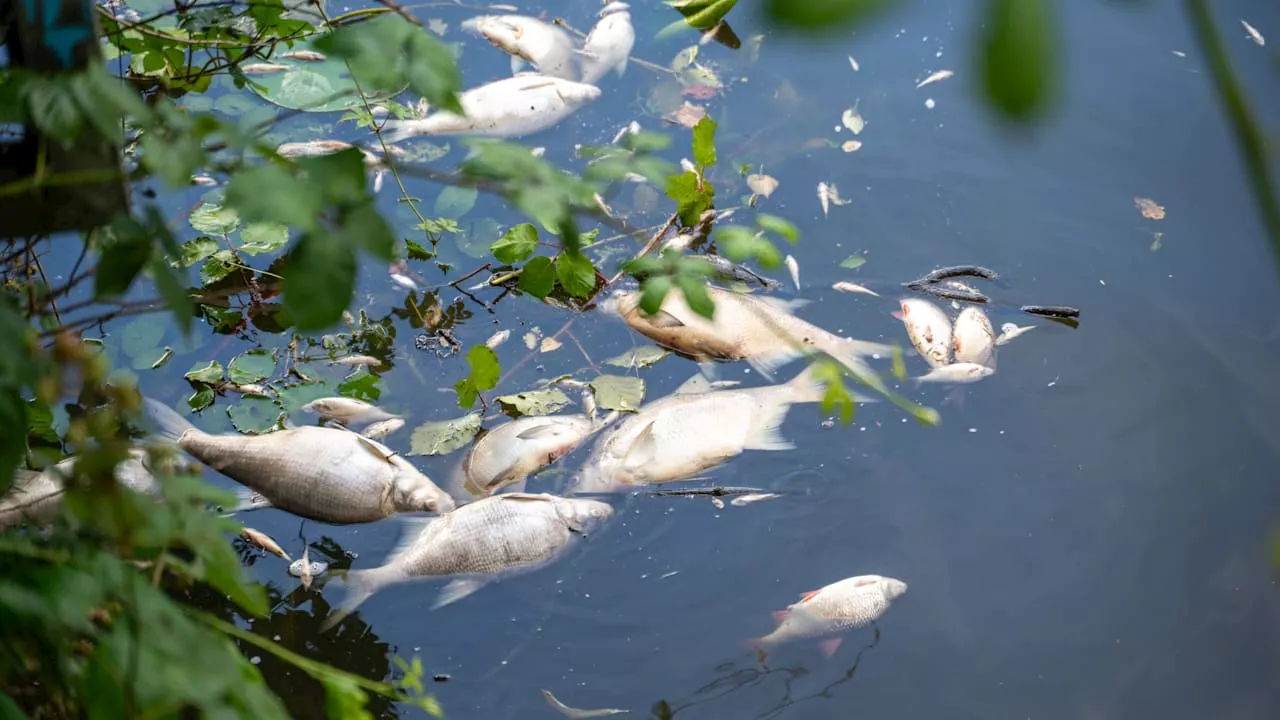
(534, 402)
(441, 437)
(638, 357)
(251, 366)
(762, 184)
(618, 392)
(853, 120)
(853, 262)
(256, 415)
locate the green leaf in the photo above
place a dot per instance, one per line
(445, 436)
(778, 226)
(193, 251)
(201, 398)
(704, 142)
(576, 273)
(218, 266)
(652, 292)
(361, 385)
(692, 201)
(485, 369)
(454, 201)
(694, 289)
(214, 219)
(432, 72)
(534, 402)
(824, 14)
(1017, 63)
(518, 244)
(51, 105)
(174, 292)
(320, 281)
(255, 415)
(538, 277)
(210, 373)
(252, 366)
(121, 259)
(837, 396)
(13, 445)
(618, 392)
(271, 193)
(638, 357)
(853, 262)
(703, 14)
(262, 237)
(370, 229)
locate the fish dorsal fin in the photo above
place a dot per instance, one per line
(378, 449)
(547, 429)
(526, 497)
(695, 385)
(505, 477)
(644, 450)
(807, 596)
(663, 319)
(783, 304)
(413, 529)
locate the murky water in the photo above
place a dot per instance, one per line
(1085, 535)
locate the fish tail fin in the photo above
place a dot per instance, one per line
(394, 131)
(766, 433)
(457, 590)
(807, 387)
(621, 67)
(361, 585)
(169, 424)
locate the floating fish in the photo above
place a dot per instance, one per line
(498, 536)
(929, 329)
(305, 56)
(760, 330)
(974, 339)
(35, 497)
(828, 195)
(685, 433)
(609, 43)
(347, 411)
(827, 612)
(320, 473)
(849, 287)
(1009, 331)
(497, 339)
(264, 541)
(319, 148)
(793, 267)
(515, 450)
(752, 498)
(382, 428)
(264, 68)
(357, 361)
(527, 39)
(575, 713)
(306, 569)
(1254, 35)
(957, 373)
(508, 108)
(940, 75)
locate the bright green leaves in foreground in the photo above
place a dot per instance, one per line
(517, 245)
(484, 375)
(387, 52)
(824, 14)
(574, 270)
(691, 190)
(1017, 62)
(741, 244)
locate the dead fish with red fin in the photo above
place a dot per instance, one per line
(829, 611)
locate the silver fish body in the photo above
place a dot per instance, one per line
(1009, 331)
(513, 451)
(35, 497)
(973, 338)
(325, 474)
(929, 329)
(382, 428)
(609, 43)
(839, 607)
(543, 45)
(957, 373)
(498, 536)
(348, 411)
(508, 108)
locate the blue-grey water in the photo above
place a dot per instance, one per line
(1084, 536)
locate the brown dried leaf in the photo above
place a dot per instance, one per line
(1149, 208)
(762, 184)
(687, 114)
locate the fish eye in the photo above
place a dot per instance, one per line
(430, 505)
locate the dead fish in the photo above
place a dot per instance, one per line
(319, 148)
(609, 43)
(793, 267)
(507, 108)
(937, 76)
(760, 330)
(306, 569)
(203, 180)
(824, 613)
(1254, 35)
(929, 330)
(828, 196)
(305, 56)
(849, 287)
(1009, 331)
(729, 271)
(264, 541)
(357, 360)
(957, 373)
(479, 543)
(527, 39)
(35, 496)
(348, 411)
(753, 498)
(497, 339)
(324, 474)
(683, 434)
(515, 450)
(264, 68)
(575, 713)
(249, 389)
(974, 339)
(383, 428)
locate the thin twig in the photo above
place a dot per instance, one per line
(649, 246)
(393, 7)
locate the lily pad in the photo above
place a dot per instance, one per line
(361, 385)
(140, 340)
(618, 392)
(454, 201)
(294, 397)
(638, 357)
(324, 86)
(256, 415)
(534, 402)
(201, 398)
(444, 436)
(251, 366)
(214, 219)
(209, 373)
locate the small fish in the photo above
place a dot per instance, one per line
(306, 569)
(793, 267)
(1009, 331)
(929, 329)
(1254, 35)
(264, 68)
(515, 450)
(527, 39)
(849, 287)
(347, 411)
(575, 713)
(609, 43)
(974, 339)
(854, 64)
(264, 541)
(717, 503)
(489, 539)
(383, 428)
(940, 75)
(247, 389)
(827, 612)
(305, 56)
(497, 339)
(325, 474)
(508, 108)
(357, 360)
(957, 373)
(203, 180)
(753, 498)
(828, 196)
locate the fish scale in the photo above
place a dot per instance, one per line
(845, 605)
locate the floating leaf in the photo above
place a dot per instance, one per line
(140, 341)
(193, 251)
(688, 114)
(263, 237)
(538, 277)
(251, 366)
(762, 184)
(1149, 208)
(201, 398)
(853, 261)
(218, 266)
(618, 392)
(293, 397)
(853, 120)
(534, 402)
(851, 145)
(209, 373)
(214, 219)
(638, 357)
(549, 345)
(576, 273)
(518, 244)
(444, 436)
(454, 201)
(704, 142)
(256, 415)
(361, 385)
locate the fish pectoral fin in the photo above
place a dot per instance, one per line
(378, 449)
(695, 385)
(644, 450)
(664, 319)
(517, 64)
(621, 67)
(539, 431)
(830, 645)
(508, 475)
(457, 590)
